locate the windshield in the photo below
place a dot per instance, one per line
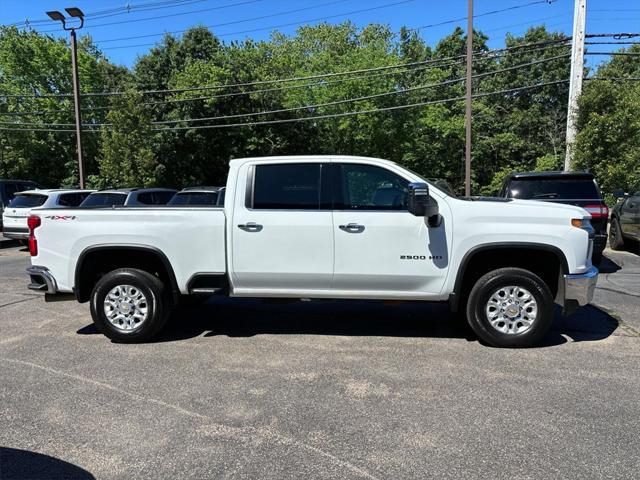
(104, 200)
(553, 188)
(440, 183)
(27, 201)
(195, 199)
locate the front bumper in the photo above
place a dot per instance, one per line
(576, 290)
(16, 233)
(42, 280)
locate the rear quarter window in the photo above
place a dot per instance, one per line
(154, 198)
(104, 200)
(196, 199)
(553, 188)
(72, 199)
(27, 201)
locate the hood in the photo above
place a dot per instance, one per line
(534, 210)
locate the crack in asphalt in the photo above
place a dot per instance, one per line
(264, 432)
(618, 291)
(19, 301)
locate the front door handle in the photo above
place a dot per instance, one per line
(250, 227)
(352, 228)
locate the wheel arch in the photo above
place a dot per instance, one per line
(497, 247)
(105, 252)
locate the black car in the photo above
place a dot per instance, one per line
(625, 220)
(572, 188)
(199, 197)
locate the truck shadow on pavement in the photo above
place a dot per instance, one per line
(249, 317)
(607, 265)
(22, 464)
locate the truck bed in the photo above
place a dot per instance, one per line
(193, 239)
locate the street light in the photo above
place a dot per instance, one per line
(57, 16)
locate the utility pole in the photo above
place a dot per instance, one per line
(467, 152)
(575, 82)
(76, 13)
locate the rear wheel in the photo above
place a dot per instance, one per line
(510, 307)
(616, 241)
(129, 305)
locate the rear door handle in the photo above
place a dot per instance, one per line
(250, 227)
(352, 228)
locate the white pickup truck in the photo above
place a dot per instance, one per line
(314, 227)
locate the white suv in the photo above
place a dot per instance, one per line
(14, 217)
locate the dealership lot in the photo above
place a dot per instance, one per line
(319, 389)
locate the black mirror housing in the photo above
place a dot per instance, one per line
(420, 203)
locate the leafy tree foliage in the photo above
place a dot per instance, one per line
(150, 140)
(608, 142)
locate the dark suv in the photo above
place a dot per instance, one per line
(572, 188)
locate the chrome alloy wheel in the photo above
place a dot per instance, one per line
(511, 310)
(126, 308)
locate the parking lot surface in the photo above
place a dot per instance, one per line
(246, 389)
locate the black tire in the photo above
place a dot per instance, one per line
(158, 305)
(492, 282)
(616, 241)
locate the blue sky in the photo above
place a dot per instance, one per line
(603, 16)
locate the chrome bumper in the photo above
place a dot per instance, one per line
(42, 280)
(576, 290)
(16, 233)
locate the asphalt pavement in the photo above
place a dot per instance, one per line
(327, 389)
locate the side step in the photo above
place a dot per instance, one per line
(208, 284)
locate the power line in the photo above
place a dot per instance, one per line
(630, 42)
(261, 17)
(615, 79)
(616, 36)
(490, 55)
(284, 80)
(210, 9)
(484, 14)
(361, 112)
(328, 17)
(115, 11)
(272, 27)
(333, 103)
(322, 117)
(629, 54)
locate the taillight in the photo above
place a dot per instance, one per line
(33, 222)
(597, 210)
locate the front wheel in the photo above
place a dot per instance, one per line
(129, 305)
(510, 307)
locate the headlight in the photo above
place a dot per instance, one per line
(584, 224)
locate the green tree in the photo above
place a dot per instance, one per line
(126, 158)
(608, 142)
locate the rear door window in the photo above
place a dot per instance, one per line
(553, 188)
(289, 186)
(27, 201)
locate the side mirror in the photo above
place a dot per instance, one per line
(618, 194)
(420, 203)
